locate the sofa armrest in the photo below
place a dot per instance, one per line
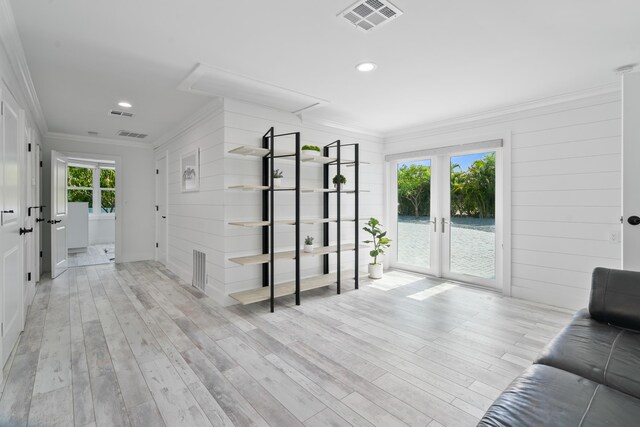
(615, 297)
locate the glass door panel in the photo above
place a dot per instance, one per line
(414, 213)
(471, 244)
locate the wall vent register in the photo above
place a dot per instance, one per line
(120, 113)
(369, 14)
(130, 134)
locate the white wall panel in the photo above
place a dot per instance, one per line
(566, 192)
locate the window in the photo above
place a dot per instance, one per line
(80, 185)
(95, 185)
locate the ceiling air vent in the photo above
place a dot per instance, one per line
(120, 113)
(132, 134)
(369, 14)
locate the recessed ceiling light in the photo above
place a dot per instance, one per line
(365, 67)
(124, 104)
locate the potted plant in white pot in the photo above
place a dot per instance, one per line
(308, 244)
(339, 181)
(310, 150)
(277, 178)
(380, 243)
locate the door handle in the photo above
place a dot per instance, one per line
(25, 230)
(634, 220)
(444, 221)
(164, 217)
(55, 221)
(435, 224)
(11, 211)
(39, 219)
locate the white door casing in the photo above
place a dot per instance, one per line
(59, 249)
(161, 210)
(11, 207)
(630, 173)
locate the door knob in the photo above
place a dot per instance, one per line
(25, 230)
(634, 220)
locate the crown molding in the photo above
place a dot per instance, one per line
(488, 116)
(190, 122)
(57, 136)
(11, 40)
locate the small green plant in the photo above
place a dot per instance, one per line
(380, 241)
(339, 179)
(308, 240)
(311, 147)
(277, 173)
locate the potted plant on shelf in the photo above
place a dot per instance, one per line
(311, 150)
(380, 243)
(339, 181)
(277, 178)
(308, 244)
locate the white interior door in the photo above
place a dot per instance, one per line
(29, 215)
(11, 267)
(58, 220)
(161, 210)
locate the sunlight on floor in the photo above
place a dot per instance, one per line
(428, 293)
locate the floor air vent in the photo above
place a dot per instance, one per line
(369, 14)
(132, 134)
(199, 270)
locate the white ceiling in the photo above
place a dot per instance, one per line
(441, 59)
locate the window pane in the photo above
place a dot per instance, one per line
(414, 213)
(107, 178)
(81, 196)
(80, 177)
(108, 202)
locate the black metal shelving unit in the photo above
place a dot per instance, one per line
(269, 256)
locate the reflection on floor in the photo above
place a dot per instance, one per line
(91, 255)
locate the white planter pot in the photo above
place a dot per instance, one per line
(277, 182)
(310, 153)
(375, 271)
(308, 248)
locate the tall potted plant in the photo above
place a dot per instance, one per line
(380, 243)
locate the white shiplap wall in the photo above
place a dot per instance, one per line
(200, 220)
(195, 219)
(565, 192)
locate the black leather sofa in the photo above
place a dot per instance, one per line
(589, 375)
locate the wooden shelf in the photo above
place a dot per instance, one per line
(265, 258)
(306, 221)
(247, 150)
(289, 288)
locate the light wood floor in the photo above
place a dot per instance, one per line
(131, 344)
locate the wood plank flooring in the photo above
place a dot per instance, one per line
(131, 344)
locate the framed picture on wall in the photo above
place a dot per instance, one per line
(190, 171)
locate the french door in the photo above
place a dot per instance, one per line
(447, 222)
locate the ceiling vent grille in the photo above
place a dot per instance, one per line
(132, 134)
(369, 14)
(120, 113)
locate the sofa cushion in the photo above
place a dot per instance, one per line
(546, 396)
(599, 352)
(615, 297)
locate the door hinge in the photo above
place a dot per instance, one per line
(29, 147)
(40, 163)
(156, 244)
(157, 208)
(28, 277)
(1, 329)
(40, 254)
(2, 108)
(157, 171)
